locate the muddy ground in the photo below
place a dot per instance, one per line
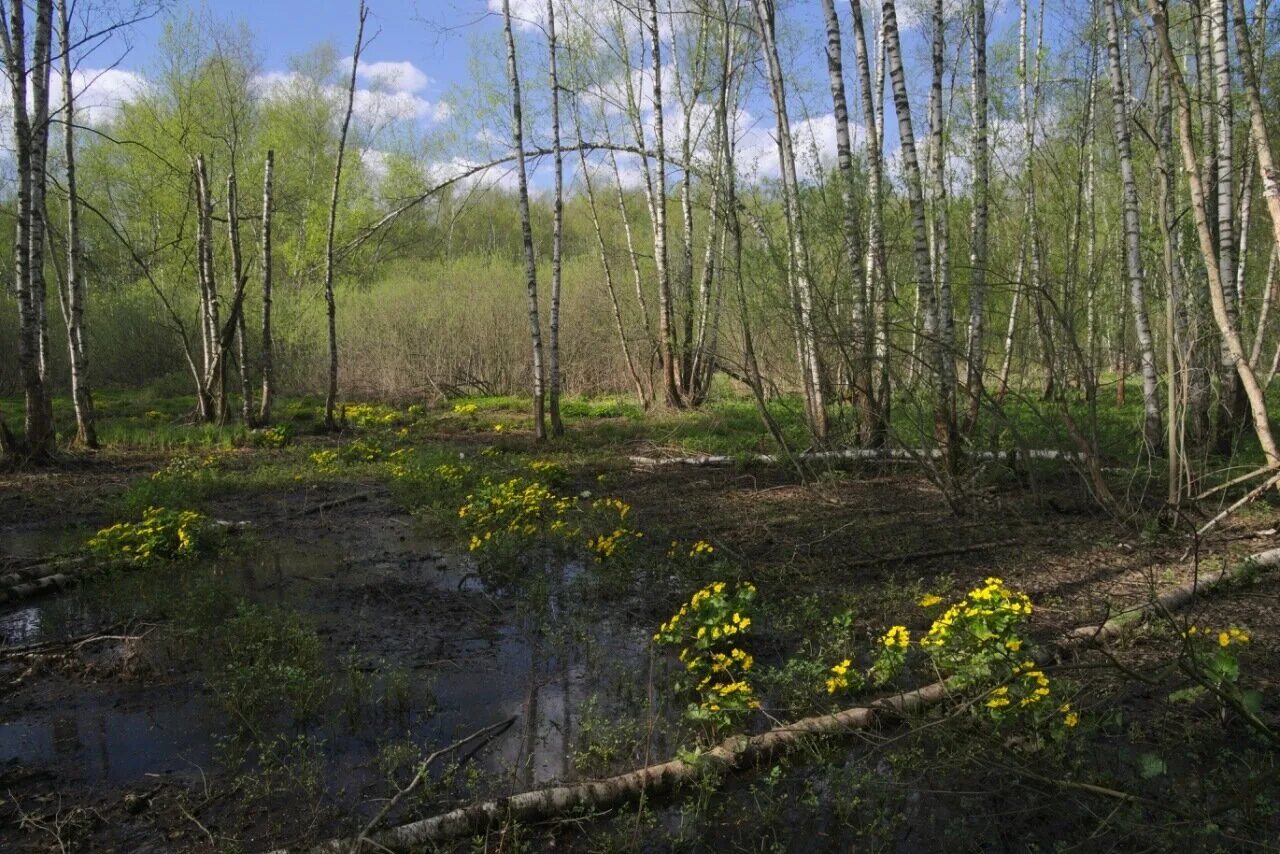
(112, 738)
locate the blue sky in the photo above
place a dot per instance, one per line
(437, 37)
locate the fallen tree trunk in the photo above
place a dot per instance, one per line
(904, 455)
(740, 750)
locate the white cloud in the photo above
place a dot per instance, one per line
(373, 107)
(391, 76)
(99, 93)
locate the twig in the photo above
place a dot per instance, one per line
(492, 731)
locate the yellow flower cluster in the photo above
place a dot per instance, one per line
(717, 668)
(731, 627)
(1226, 637)
(1035, 683)
(1230, 636)
(897, 636)
(160, 535)
(465, 408)
(400, 463)
(326, 461)
(451, 474)
(700, 548)
(929, 600)
(839, 679)
(991, 603)
(1069, 717)
(514, 507)
(369, 414)
(360, 451)
(606, 546)
(617, 505)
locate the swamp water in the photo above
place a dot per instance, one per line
(418, 653)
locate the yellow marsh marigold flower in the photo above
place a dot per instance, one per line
(929, 601)
(898, 637)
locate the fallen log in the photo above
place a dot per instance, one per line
(887, 455)
(738, 751)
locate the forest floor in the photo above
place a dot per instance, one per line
(278, 691)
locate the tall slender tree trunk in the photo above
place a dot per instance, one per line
(860, 379)
(980, 153)
(876, 279)
(331, 306)
(806, 339)
(932, 352)
(944, 329)
(81, 395)
(238, 276)
(213, 396)
(557, 229)
(661, 257)
(1231, 335)
(38, 440)
(268, 343)
(1151, 426)
(1234, 412)
(606, 266)
(526, 228)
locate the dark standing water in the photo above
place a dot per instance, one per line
(383, 596)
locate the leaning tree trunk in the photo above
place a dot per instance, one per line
(806, 339)
(237, 272)
(606, 266)
(976, 357)
(81, 396)
(1258, 130)
(1230, 334)
(268, 345)
(331, 397)
(526, 228)
(1151, 428)
(557, 230)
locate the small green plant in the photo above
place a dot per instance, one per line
(325, 461)
(551, 473)
(277, 436)
(361, 451)
(267, 662)
(708, 630)
(366, 415)
(161, 535)
(1212, 658)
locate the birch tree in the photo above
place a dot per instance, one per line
(526, 228)
(331, 306)
(876, 278)
(73, 289)
(30, 134)
(557, 226)
(267, 343)
(860, 373)
(1151, 425)
(1200, 210)
(980, 154)
(932, 352)
(798, 261)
